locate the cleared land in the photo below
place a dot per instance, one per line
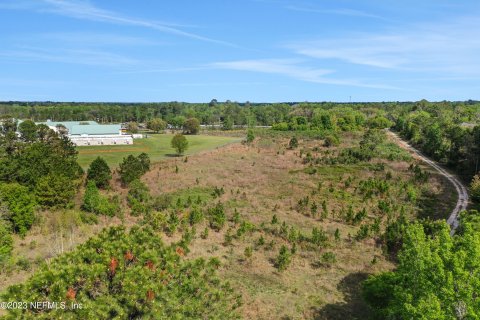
(157, 146)
(260, 181)
(268, 179)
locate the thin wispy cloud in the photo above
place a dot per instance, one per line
(292, 68)
(163, 70)
(448, 47)
(217, 84)
(92, 39)
(287, 67)
(70, 56)
(86, 10)
(343, 12)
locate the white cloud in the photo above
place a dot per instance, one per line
(86, 10)
(287, 67)
(91, 39)
(343, 12)
(293, 69)
(442, 47)
(71, 56)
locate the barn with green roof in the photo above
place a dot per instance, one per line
(87, 133)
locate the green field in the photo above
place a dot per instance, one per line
(156, 146)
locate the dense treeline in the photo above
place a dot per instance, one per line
(37, 167)
(172, 112)
(207, 113)
(447, 133)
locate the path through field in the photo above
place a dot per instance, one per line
(462, 201)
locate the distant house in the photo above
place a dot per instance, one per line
(90, 133)
(467, 125)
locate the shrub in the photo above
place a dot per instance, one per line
(274, 219)
(91, 198)
(204, 234)
(281, 126)
(363, 232)
(260, 241)
(138, 191)
(161, 202)
(217, 217)
(236, 217)
(94, 202)
(331, 141)
(20, 205)
(293, 144)
(195, 216)
(24, 264)
(328, 259)
(319, 237)
(248, 252)
(245, 227)
(337, 235)
(6, 242)
(250, 136)
(379, 122)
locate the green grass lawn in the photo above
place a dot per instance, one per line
(156, 146)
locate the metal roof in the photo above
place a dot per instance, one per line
(85, 127)
(95, 129)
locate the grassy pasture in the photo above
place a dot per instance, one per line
(156, 146)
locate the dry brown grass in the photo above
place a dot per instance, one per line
(266, 179)
(261, 180)
(54, 233)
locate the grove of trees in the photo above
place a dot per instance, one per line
(38, 166)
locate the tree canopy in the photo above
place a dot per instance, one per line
(156, 124)
(40, 160)
(438, 277)
(126, 275)
(133, 167)
(191, 126)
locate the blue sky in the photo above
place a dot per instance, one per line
(249, 50)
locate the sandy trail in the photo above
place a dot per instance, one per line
(462, 201)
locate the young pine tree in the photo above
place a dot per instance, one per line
(293, 143)
(283, 259)
(99, 172)
(91, 199)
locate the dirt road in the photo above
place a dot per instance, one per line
(462, 201)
